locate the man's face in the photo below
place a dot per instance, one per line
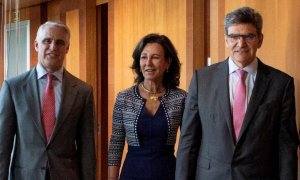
(243, 41)
(52, 46)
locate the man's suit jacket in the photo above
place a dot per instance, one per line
(70, 153)
(268, 141)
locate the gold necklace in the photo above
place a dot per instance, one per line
(152, 95)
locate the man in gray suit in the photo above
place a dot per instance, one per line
(253, 139)
(32, 148)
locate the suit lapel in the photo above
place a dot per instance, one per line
(31, 94)
(259, 90)
(223, 94)
(69, 93)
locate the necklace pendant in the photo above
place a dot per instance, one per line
(153, 98)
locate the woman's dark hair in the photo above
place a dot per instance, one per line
(172, 76)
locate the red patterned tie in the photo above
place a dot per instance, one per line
(239, 103)
(48, 113)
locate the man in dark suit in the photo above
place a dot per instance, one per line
(47, 138)
(239, 127)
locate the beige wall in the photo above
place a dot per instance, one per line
(132, 20)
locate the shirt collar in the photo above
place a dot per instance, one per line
(251, 68)
(41, 72)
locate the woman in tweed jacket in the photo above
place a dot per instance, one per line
(148, 114)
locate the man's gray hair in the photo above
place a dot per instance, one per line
(53, 24)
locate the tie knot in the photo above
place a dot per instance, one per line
(50, 77)
(241, 73)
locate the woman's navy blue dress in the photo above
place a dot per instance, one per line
(153, 159)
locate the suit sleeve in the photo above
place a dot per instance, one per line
(86, 140)
(190, 137)
(288, 136)
(7, 129)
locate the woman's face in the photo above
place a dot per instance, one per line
(153, 63)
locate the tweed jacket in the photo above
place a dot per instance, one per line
(127, 111)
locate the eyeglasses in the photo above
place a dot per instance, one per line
(237, 37)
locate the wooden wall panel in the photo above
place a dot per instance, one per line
(1, 44)
(98, 2)
(135, 18)
(111, 65)
(217, 43)
(73, 62)
(34, 17)
(85, 34)
(196, 37)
